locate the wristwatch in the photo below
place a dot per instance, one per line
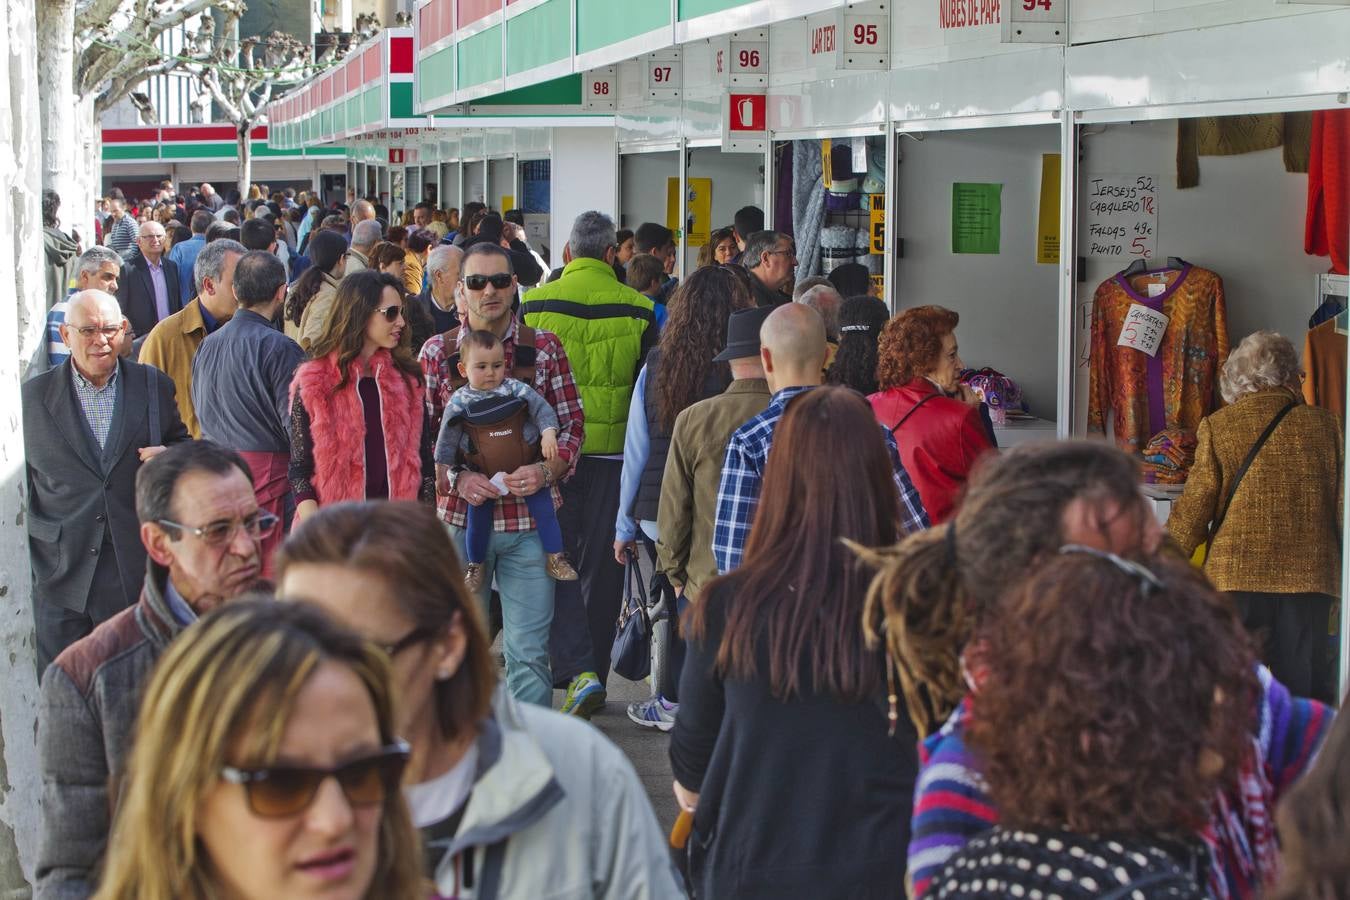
(454, 476)
(548, 473)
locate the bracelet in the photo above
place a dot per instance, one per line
(548, 473)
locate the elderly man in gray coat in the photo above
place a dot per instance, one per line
(88, 424)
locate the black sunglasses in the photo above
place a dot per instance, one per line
(275, 792)
(411, 639)
(391, 313)
(500, 280)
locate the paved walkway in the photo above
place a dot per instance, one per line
(645, 747)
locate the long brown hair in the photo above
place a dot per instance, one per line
(406, 545)
(228, 685)
(695, 332)
(358, 296)
(799, 593)
(932, 589)
(1112, 701)
(1314, 821)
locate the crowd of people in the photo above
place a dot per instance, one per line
(282, 503)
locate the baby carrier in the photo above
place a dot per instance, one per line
(495, 427)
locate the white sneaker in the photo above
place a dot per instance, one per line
(654, 713)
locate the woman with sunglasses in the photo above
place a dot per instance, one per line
(935, 590)
(798, 784)
(504, 793)
(1105, 729)
(266, 765)
(359, 428)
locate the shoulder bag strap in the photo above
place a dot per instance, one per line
(1242, 471)
(896, 426)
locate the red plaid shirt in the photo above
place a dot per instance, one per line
(552, 378)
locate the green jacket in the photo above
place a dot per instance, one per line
(606, 328)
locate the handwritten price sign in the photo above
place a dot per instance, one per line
(1122, 216)
(1143, 329)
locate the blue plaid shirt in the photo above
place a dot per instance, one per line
(99, 404)
(743, 469)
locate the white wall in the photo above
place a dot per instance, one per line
(738, 180)
(583, 176)
(642, 195)
(1008, 303)
(450, 185)
(501, 182)
(474, 185)
(1245, 221)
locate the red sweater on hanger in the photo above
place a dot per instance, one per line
(1328, 227)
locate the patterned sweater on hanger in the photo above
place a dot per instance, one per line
(1175, 388)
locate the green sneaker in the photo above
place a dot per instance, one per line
(585, 697)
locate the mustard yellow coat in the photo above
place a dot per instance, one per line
(1280, 535)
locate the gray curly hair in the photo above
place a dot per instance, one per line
(1263, 360)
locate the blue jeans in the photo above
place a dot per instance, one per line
(540, 505)
(517, 560)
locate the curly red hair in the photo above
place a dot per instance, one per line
(1110, 705)
(911, 344)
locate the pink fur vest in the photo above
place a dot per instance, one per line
(337, 427)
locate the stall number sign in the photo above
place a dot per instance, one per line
(1034, 21)
(877, 208)
(663, 77)
(1122, 216)
(749, 57)
(601, 89)
(1143, 329)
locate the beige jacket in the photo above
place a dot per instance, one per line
(315, 317)
(1281, 533)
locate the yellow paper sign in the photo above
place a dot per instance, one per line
(698, 226)
(877, 204)
(508, 202)
(1047, 220)
(699, 212)
(672, 203)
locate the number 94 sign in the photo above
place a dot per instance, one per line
(1034, 21)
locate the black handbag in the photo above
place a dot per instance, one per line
(631, 655)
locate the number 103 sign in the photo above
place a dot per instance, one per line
(1034, 21)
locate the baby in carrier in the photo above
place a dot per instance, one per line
(494, 425)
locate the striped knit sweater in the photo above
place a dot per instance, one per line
(952, 803)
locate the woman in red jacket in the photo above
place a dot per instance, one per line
(359, 427)
(935, 419)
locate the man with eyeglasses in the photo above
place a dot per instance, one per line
(771, 259)
(515, 555)
(98, 268)
(202, 529)
(88, 425)
(148, 290)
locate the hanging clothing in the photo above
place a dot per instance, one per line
(1324, 363)
(1175, 388)
(1328, 226)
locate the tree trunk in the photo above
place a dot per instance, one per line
(244, 173)
(22, 335)
(56, 89)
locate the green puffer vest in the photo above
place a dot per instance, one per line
(602, 325)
